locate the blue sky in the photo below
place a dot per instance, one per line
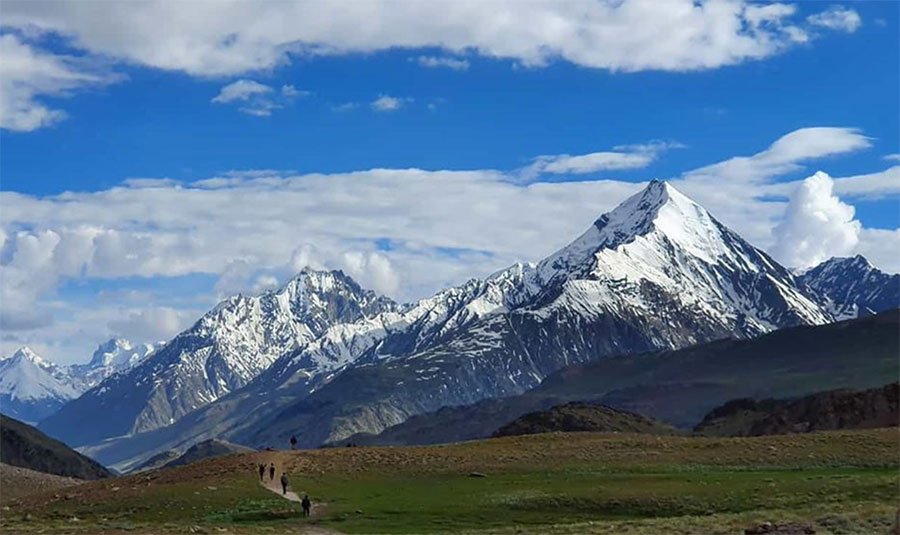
(465, 114)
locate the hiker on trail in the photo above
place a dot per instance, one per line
(272, 472)
(262, 471)
(305, 503)
(293, 442)
(284, 482)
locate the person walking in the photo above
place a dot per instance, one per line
(262, 471)
(272, 472)
(284, 482)
(293, 442)
(305, 503)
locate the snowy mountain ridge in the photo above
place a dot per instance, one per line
(852, 287)
(32, 388)
(222, 351)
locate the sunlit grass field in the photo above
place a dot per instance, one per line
(836, 482)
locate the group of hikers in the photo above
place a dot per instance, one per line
(305, 503)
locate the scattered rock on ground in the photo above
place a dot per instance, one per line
(786, 528)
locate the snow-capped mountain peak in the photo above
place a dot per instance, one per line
(31, 387)
(113, 356)
(118, 354)
(662, 238)
(25, 353)
(657, 209)
(227, 347)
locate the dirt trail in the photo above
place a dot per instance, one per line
(316, 510)
(274, 485)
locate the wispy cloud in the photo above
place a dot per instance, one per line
(389, 103)
(344, 107)
(878, 185)
(442, 61)
(837, 18)
(257, 99)
(785, 155)
(290, 91)
(28, 73)
(241, 90)
(622, 157)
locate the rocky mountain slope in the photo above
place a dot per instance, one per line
(24, 446)
(852, 287)
(224, 350)
(158, 461)
(822, 411)
(680, 387)
(18, 482)
(581, 416)
(207, 449)
(656, 272)
(32, 388)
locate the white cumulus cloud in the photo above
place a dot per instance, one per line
(236, 38)
(151, 324)
(816, 225)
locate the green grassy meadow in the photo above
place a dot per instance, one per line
(838, 482)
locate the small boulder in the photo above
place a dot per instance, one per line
(787, 528)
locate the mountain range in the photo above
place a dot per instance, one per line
(32, 388)
(225, 349)
(323, 359)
